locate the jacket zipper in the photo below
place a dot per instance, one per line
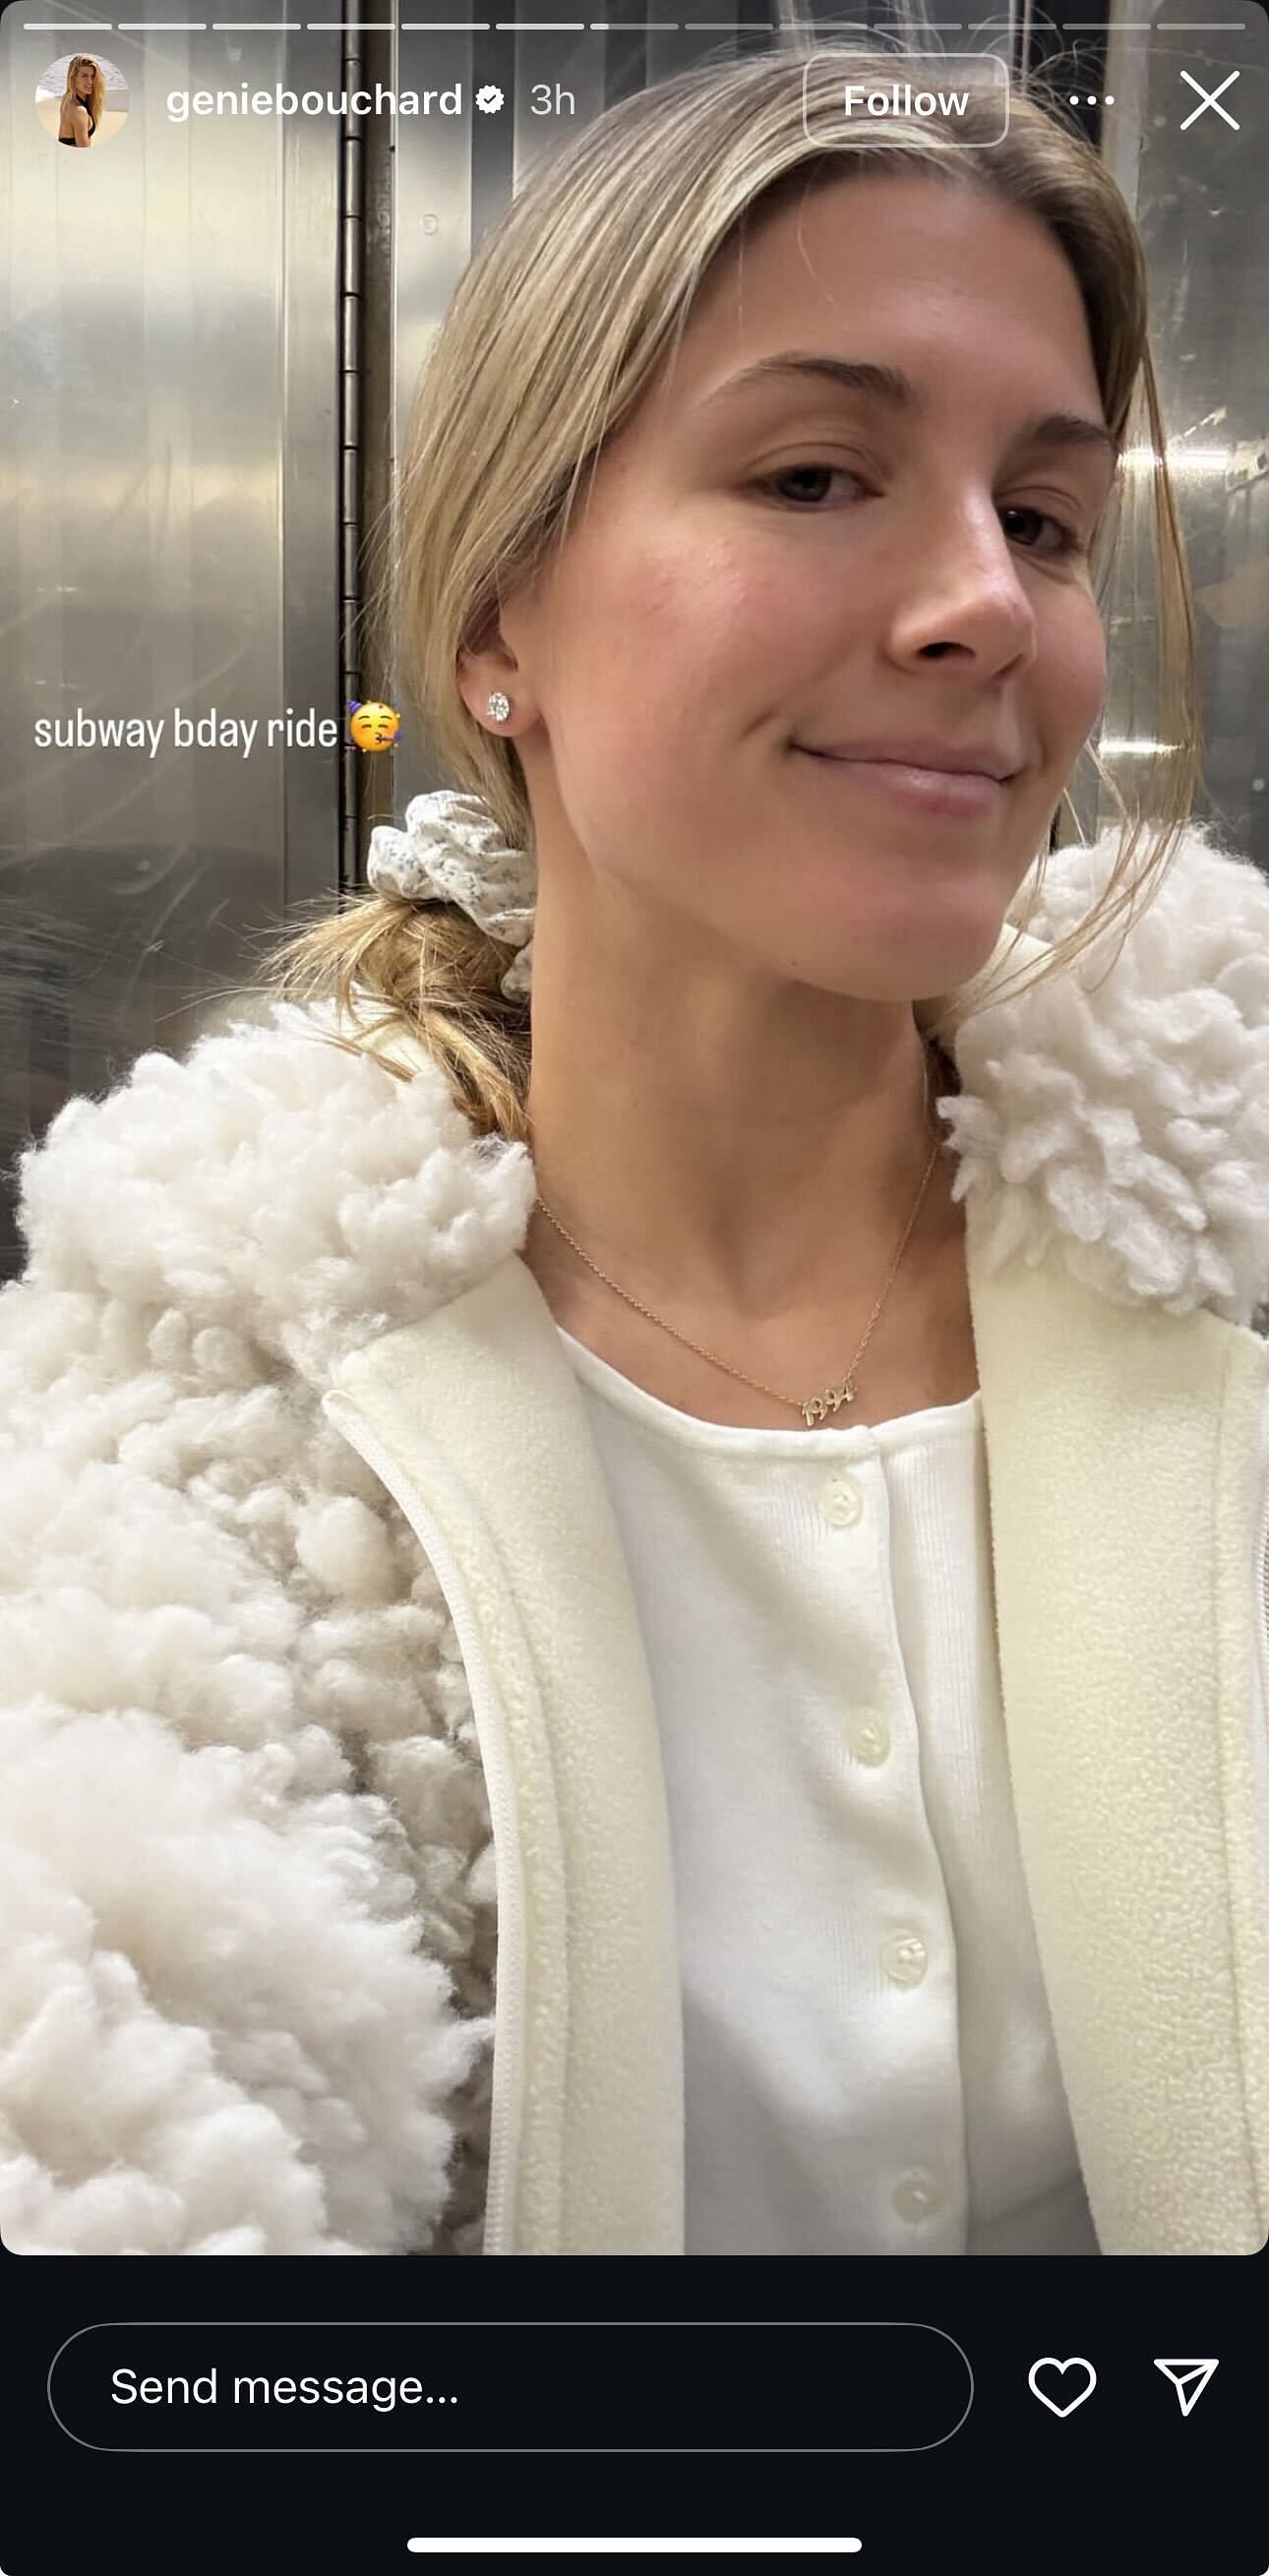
(509, 1977)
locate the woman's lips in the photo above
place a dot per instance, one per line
(969, 793)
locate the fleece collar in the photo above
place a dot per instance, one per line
(1120, 1112)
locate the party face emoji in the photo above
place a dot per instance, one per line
(373, 725)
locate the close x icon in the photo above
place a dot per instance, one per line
(1210, 98)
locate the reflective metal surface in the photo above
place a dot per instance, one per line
(1193, 185)
(169, 501)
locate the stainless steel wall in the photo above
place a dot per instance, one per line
(189, 342)
(1193, 183)
(169, 496)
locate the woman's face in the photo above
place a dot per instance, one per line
(84, 80)
(797, 564)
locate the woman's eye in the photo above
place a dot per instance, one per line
(1068, 539)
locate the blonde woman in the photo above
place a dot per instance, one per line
(83, 102)
(608, 1651)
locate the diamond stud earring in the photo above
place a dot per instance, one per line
(499, 707)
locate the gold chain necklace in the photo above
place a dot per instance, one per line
(817, 1406)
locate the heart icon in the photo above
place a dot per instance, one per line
(1061, 2367)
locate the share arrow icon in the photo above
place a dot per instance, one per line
(1189, 2378)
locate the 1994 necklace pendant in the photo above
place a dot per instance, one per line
(832, 1398)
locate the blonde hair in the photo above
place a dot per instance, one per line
(96, 105)
(552, 335)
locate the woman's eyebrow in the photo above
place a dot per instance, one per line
(889, 385)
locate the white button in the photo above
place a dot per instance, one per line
(868, 1736)
(905, 1958)
(919, 2195)
(841, 1502)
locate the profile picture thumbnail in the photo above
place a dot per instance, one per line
(81, 100)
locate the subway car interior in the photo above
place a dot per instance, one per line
(215, 326)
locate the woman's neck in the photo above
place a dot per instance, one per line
(699, 1208)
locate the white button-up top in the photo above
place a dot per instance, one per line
(869, 2062)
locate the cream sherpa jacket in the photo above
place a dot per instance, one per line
(323, 1691)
